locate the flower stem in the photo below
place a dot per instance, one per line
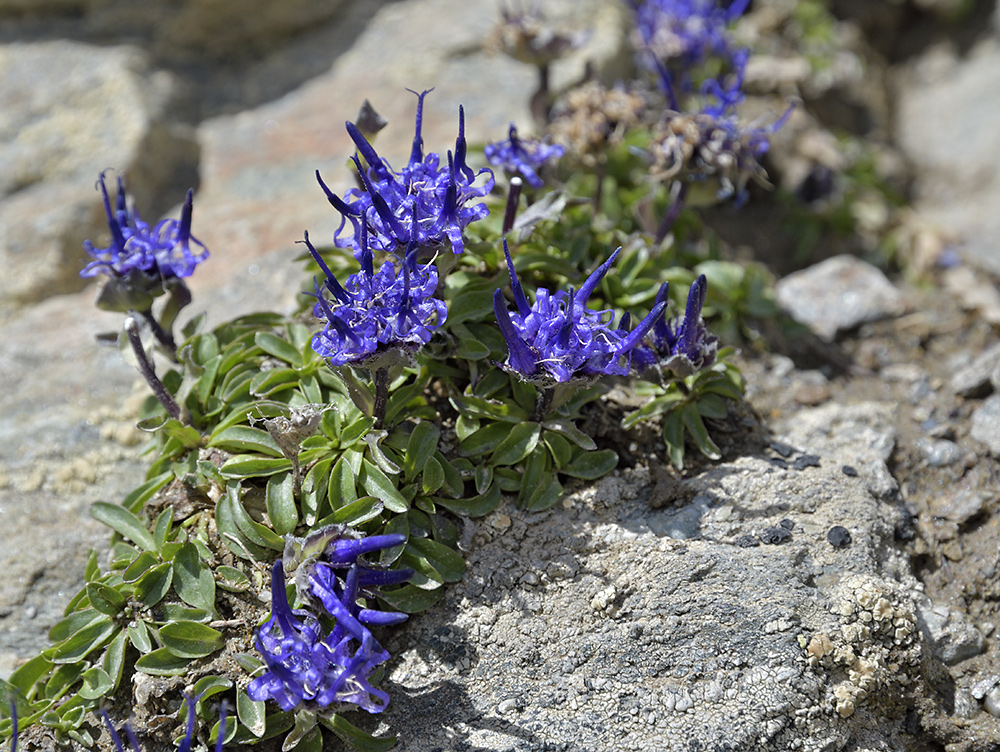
(146, 369)
(672, 213)
(513, 196)
(164, 337)
(544, 402)
(380, 377)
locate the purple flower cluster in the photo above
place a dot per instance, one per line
(682, 345)
(559, 339)
(165, 251)
(308, 663)
(678, 37)
(521, 156)
(424, 205)
(373, 313)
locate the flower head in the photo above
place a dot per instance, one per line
(167, 250)
(374, 313)
(683, 344)
(522, 156)
(424, 205)
(677, 39)
(305, 663)
(559, 339)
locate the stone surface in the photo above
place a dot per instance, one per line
(986, 424)
(838, 294)
(973, 380)
(68, 111)
(952, 636)
(947, 110)
(598, 627)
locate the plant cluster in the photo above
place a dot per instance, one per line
(421, 382)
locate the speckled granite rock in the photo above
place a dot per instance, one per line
(581, 628)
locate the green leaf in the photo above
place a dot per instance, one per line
(188, 436)
(357, 738)
(81, 644)
(712, 406)
(496, 409)
(251, 713)
(483, 478)
(486, 439)
(73, 623)
(466, 425)
(420, 448)
(696, 428)
(274, 345)
(105, 598)
(547, 493)
(355, 431)
(96, 683)
(268, 383)
(376, 483)
(559, 448)
(138, 635)
(281, 508)
(398, 525)
(723, 387)
(470, 305)
(476, 506)
(519, 443)
(374, 441)
(433, 476)
(161, 528)
(114, 659)
(92, 570)
(258, 534)
(62, 679)
(178, 612)
(568, 429)
(152, 586)
(238, 543)
(253, 466)
(125, 523)
(139, 566)
(353, 514)
(447, 562)
(673, 437)
(161, 662)
(424, 576)
(246, 439)
(592, 465)
(30, 673)
(193, 579)
(410, 599)
(207, 686)
(189, 639)
(232, 579)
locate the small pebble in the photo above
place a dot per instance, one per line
(850, 472)
(783, 449)
(839, 536)
(747, 541)
(993, 702)
(939, 452)
(806, 460)
(778, 462)
(775, 535)
(787, 524)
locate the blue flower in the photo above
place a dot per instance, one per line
(522, 156)
(374, 313)
(306, 664)
(163, 252)
(682, 345)
(559, 339)
(679, 37)
(424, 205)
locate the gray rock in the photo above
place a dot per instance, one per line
(973, 380)
(981, 687)
(960, 506)
(958, 188)
(648, 642)
(68, 112)
(838, 294)
(992, 702)
(952, 636)
(986, 424)
(939, 452)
